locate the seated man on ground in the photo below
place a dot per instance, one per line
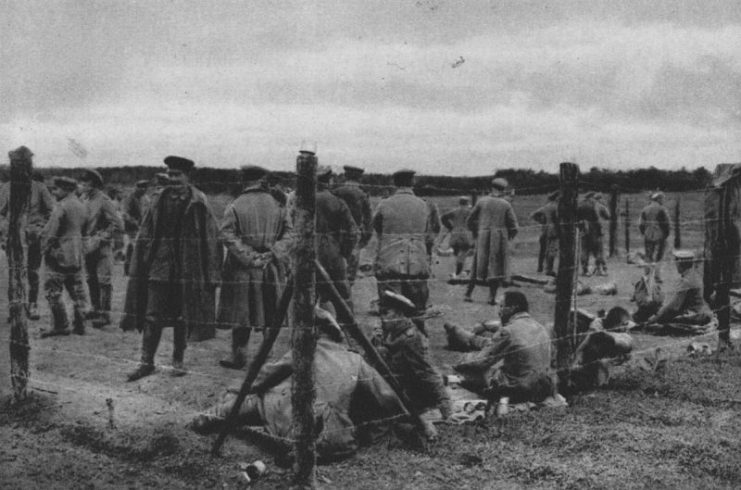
(516, 362)
(406, 350)
(349, 394)
(686, 305)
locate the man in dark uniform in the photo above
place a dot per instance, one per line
(40, 206)
(461, 239)
(654, 226)
(547, 216)
(589, 213)
(359, 203)
(406, 226)
(62, 244)
(257, 234)
(175, 270)
(337, 235)
(134, 207)
(103, 223)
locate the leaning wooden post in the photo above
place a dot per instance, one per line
(567, 218)
(614, 196)
(677, 228)
(20, 190)
(304, 335)
(627, 227)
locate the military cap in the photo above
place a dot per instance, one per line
(142, 184)
(353, 170)
(684, 255)
(323, 174)
(553, 196)
(403, 177)
(326, 321)
(253, 172)
(499, 183)
(20, 153)
(93, 176)
(66, 183)
(391, 299)
(179, 163)
(657, 195)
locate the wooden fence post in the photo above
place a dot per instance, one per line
(567, 267)
(627, 227)
(304, 335)
(20, 190)
(677, 230)
(614, 196)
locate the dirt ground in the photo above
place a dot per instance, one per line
(676, 428)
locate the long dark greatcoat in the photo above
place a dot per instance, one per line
(200, 265)
(494, 224)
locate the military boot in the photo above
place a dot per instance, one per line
(79, 323)
(240, 340)
(60, 324)
(104, 316)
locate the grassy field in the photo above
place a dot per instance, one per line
(670, 429)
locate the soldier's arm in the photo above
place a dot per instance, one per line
(642, 222)
(472, 222)
(49, 234)
(511, 220)
(539, 216)
(349, 230)
(604, 212)
(230, 237)
(273, 374)
(115, 223)
(367, 221)
(664, 222)
(47, 201)
(446, 220)
(286, 239)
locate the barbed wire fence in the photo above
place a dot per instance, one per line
(306, 280)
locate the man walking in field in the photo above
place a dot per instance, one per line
(359, 203)
(257, 234)
(175, 269)
(406, 226)
(40, 206)
(654, 226)
(494, 225)
(460, 240)
(547, 216)
(103, 224)
(62, 245)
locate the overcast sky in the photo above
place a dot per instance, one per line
(444, 87)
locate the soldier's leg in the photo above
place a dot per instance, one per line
(105, 281)
(352, 266)
(34, 264)
(585, 254)
(156, 316)
(129, 254)
(211, 420)
(240, 341)
(180, 342)
(543, 242)
(91, 269)
(75, 285)
(418, 293)
(53, 286)
(464, 340)
(599, 254)
(472, 281)
(649, 247)
(493, 288)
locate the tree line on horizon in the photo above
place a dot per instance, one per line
(523, 181)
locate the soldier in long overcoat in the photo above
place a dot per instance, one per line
(547, 216)
(654, 226)
(103, 224)
(359, 203)
(175, 269)
(257, 234)
(406, 226)
(494, 225)
(337, 235)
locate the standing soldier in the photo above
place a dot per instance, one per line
(603, 214)
(654, 226)
(547, 216)
(134, 207)
(406, 226)
(336, 235)
(257, 235)
(460, 236)
(589, 214)
(40, 206)
(494, 225)
(174, 271)
(62, 244)
(103, 223)
(359, 203)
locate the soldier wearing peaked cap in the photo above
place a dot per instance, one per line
(103, 224)
(62, 246)
(174, 271)
(547, 216)
(493, 224)
(654, 225)
(358, 202)
(460, 239)
(258, 238)
(40, 206)
(687, 304)
(406, 227)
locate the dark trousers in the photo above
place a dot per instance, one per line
(54, 285)
(164, 309)
(654, 250)
(33, 266)
(543, 243)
